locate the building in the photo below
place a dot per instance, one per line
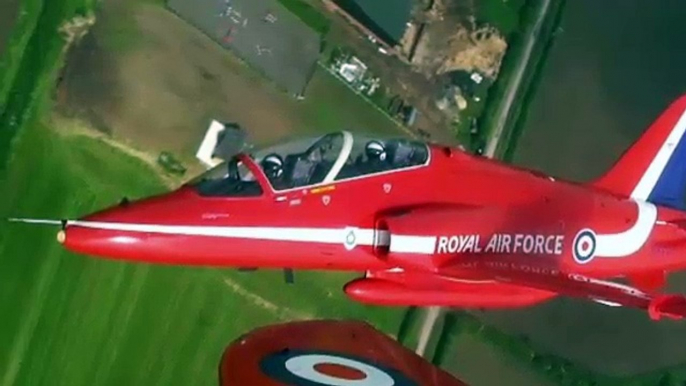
(384, 20)
(353, 71)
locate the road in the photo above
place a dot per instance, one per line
(432, 314)
(502, 113)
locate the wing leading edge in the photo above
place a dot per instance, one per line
(325, 352)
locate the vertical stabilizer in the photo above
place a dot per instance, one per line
(653, 169)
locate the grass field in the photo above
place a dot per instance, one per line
(331, 105)
(501, 14)
(474, 361)
(308, 14)
(470, 356)
(29, 66)
(17, 21)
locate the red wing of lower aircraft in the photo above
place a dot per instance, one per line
(323, 353)
(429, 224)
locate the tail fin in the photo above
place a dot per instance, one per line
(654, 168)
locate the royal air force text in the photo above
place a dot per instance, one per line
(528, 244)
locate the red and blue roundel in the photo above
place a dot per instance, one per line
(584, 246)
(322, 368)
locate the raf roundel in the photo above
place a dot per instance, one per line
(319, 368)
(350, 240)
(584, 246)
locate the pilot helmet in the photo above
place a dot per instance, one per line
(375, 150)
(272, 166)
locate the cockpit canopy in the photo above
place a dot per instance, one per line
(306, 162)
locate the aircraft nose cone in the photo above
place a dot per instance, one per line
(104, 233)
(101, 239)
(130, 230)
(61, 236)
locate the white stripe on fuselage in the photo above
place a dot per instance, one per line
(607, 245)
(413, 244)
(652, 174)
(630, 241)
(361, 236)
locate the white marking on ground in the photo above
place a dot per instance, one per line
(283, 313)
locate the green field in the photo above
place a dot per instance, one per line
(332, 105)
(308, 14)
(501, 14)
(483, 356)
(30, 64)
(479, 364)
(18, 20)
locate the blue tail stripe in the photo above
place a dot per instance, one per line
(670, 188)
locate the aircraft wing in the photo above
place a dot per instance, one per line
(328, 352)
(672, 306)
(602, 291)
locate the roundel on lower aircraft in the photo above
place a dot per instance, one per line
(327, 368)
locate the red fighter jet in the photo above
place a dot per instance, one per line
(428, 224)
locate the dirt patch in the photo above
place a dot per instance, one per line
(450, 41)
(163, 93)
(75, 29)
(77, 127)
(481, 50)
